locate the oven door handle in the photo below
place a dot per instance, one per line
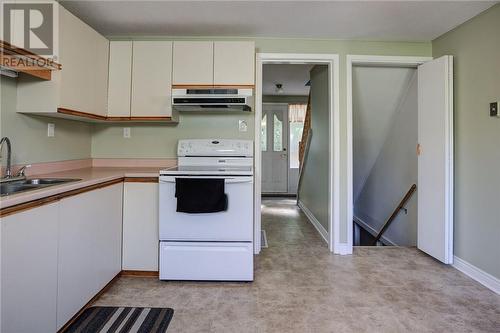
(229, 180)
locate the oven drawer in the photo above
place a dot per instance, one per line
(206, 261)
(235, 224)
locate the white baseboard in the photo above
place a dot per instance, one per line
(373, 232)
(486, 279)
(343, 249)
(314, 221)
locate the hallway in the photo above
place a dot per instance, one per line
(300, 287)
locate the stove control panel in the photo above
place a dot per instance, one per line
(215, 147)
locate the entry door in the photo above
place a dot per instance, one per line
(435, 160)
(274, 145)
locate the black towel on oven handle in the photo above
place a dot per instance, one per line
(200, 195)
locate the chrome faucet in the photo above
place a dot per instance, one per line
(8, 168)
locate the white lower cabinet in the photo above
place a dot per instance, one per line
(140, 226)
(56, 257)
(29, 270)
(90, 239)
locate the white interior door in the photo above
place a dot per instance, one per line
(435, 161)
(274, 145)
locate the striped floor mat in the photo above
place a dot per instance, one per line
(105, 319)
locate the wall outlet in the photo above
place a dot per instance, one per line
(126, 132)
(51, 130)
(494, 109)
(242, 126)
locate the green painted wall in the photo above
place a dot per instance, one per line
(476, 48)
(28, 134)
(314, 187)
(160, 141)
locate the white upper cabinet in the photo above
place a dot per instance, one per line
(193, 63)
(234, 63)
(151, 79)
(214, 63)
(120, 75)
(81, 85)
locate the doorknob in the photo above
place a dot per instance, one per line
(284, 149)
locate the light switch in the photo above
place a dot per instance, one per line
(126, 132)
(494, 109)
(242, 126)
(51, 130)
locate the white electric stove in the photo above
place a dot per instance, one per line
(209, 246)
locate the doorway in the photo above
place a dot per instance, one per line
(285, 98)
(278, 116)
(414, 145)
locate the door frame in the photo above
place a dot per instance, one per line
(369, 60)
(287, 125)
(332, 60)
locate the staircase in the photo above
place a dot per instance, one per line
(304, 144)
(305, 132)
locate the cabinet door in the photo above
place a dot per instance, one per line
(120, 79)
(29, 270)
(234, 63)
(77, 58)
(193, 63)
(90, 233)
(140, 226)
(101, 71)
(151, 79)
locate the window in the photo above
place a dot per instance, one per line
(277, 134)
(296, 117)
(263, 133)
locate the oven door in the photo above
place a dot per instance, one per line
(233, 225)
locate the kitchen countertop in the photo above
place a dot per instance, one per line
(88, 176)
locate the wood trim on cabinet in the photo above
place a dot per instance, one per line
(80, 114)
(140, 179)
(87, 115)
(56, 197)
(205, 86)
(89, 303)
(24, 61)
(135, 273)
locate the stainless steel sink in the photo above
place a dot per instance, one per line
(13, 187)
(47, 181)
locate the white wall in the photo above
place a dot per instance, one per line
(377, 93)
(394, 169)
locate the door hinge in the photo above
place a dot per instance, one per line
(419, 149)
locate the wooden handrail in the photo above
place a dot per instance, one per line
(304, 160)
(395, 213)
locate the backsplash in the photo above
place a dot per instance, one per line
(160, 141)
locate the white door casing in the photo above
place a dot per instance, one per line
(435, 161)
(275, 152)
(334, 194)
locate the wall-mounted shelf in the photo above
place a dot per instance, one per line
(18, 60)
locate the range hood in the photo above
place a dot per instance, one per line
(212, 99)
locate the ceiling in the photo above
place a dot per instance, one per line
(292, 77)
(362, 20)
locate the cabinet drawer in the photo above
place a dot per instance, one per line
(206, 261)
